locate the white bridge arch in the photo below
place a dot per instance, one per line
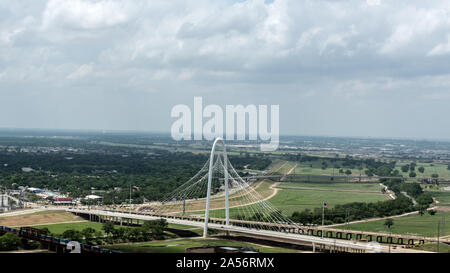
(210, 176)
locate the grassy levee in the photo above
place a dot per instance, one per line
(60, 228)
(179, 246)
(42, 217)
(443, 248)
(438, 168)
(289, 200)
(425, 225)
(442, 196)
(365, 187)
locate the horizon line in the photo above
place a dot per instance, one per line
(104, 131)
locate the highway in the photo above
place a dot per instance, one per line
(329, 243)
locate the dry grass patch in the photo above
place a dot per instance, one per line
(43, 217)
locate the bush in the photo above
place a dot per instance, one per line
(10, 241)
(432, 212)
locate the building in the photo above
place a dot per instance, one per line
(92, 197)
(63, 201)
(35, 190)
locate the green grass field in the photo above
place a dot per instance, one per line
(425, 225)
(289, 201)
(442, 196)
(180, 245)
(443, 248)
(332, 186)
(316, 169)
(430, 168)
(60, 228)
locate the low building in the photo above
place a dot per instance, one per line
(35, 190)
(63, 201)
(92, 197)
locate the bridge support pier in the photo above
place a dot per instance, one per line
(208, 193)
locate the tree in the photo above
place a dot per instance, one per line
(405, 168)
(412, 174)
(10, 241)
(119, 232)
(389, 222)
(421, 169)
(348, 172)
(72, 234)
(88, 233)
(422, 210)
(108, 228)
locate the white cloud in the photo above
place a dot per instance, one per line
(83, 14)
(411, 25)
(354, 50)
(80, 72)
(373, 2)
(440, 49)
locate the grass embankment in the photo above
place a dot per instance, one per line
(425, 225)
(38, 218)
(180, 245)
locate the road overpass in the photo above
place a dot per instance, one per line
(294, 235)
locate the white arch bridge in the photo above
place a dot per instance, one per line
(217, 197)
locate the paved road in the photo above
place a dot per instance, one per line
(21, 212)
(330, 242)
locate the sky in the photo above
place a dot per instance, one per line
(338, 68)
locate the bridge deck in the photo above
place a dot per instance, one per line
(219, 225)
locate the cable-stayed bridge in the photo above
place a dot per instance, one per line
(218, 197)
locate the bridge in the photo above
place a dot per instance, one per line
(342, 178)
(218, 189)
(8, 202)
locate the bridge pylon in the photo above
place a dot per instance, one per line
(210, 177)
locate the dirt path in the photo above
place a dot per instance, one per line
(289, 172)
(282, 165)
(273, 187)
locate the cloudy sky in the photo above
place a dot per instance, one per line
(341, 68)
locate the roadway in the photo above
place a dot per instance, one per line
(327, 243)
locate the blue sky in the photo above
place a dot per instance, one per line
(343, 68)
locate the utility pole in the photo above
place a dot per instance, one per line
(323, 216)
(346, 216)
(390, 235)
(130, 194)
(184, 206)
